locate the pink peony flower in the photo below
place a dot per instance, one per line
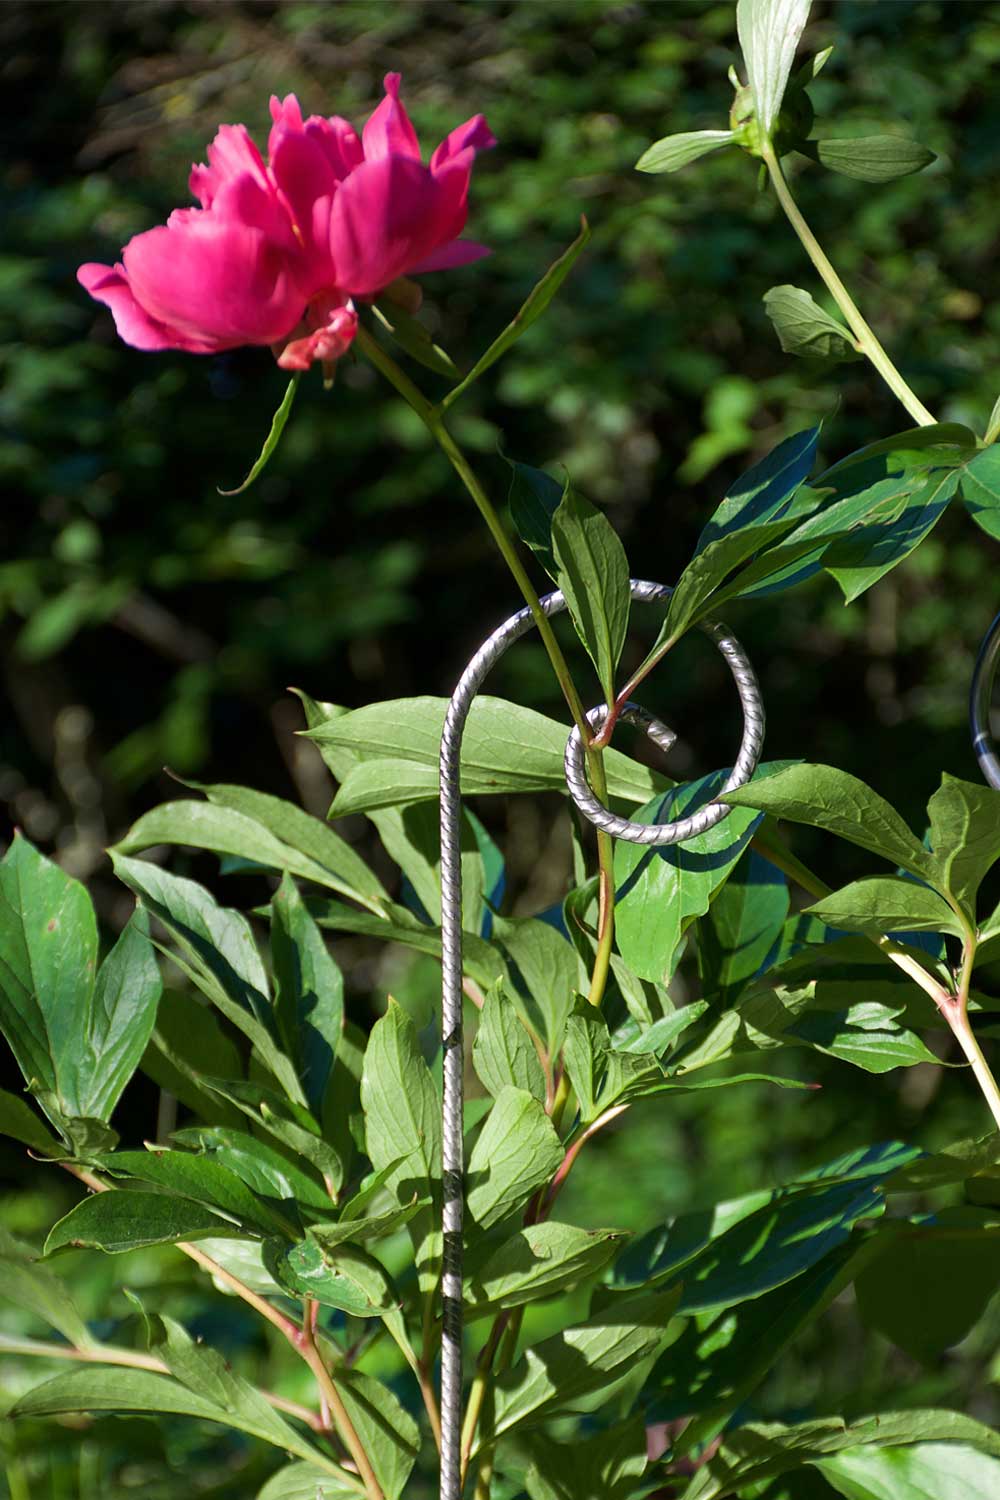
(278, 250)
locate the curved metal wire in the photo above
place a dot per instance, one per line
(451, 961)
(658, 834)
(980, 698)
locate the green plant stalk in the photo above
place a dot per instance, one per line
(867, 342)
(434, 422)
(957, 1016)
(309, 1349)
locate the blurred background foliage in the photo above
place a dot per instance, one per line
(148, 621)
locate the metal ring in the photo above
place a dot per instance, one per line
(657, 834)
(980, 698)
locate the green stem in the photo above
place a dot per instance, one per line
(310, 1351)
(866, 339)
(434, 422)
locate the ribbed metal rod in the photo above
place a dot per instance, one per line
(451, 945)
(980, 700)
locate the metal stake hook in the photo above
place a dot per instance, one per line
(980, 697)
(451, 950)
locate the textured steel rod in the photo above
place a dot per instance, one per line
(451, 952)
(980, 699)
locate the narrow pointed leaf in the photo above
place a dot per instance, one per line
(412, 336)
(272, 439)
(886, 904)
(592, 571)
(516, 1152)
(536, 303)
(119, 1221)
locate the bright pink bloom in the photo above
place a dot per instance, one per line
(280, 248)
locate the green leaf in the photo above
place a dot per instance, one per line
(37, 1289)
(676, 151)
(760, 1450)
(769, 32)
(550, 968)
(803, 328)
(19, 1121)
(290, 1124)
(352, 1229)
(748, 1247)
(825, 797)
(927, 1471)
(659, 1038)
(301, 1481)
(533, 499)
(388, 1433)
(505, 748)
(403, 1127)
(931, 1284)
(981, 488)
(223, 959)
(122, 1015)
(225, 830)
(260, 1165)
(503, 1052)
(309, 993)
(661, 891)
(711, 568)
(187, 1043)
(858, 560)
(48, 958)
(557, 1373)
(412, 336)
(874, 508)
(342, 1276)
(742, 926)
(480, 960)
(965, 836)
(766, 491)
(323, 849)
(718, 1361)
(110, 1389)
(872, 158)
(271, 441)
(206, 1375)
(537, 301)
(592, 572)
(117, 1221)
(537, 1262)
(204, 1181)
(605, 1466)
(886, 903)
(517, 1151)
(956, 1163)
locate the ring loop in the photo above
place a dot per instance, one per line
(657, 834)
(980, 697)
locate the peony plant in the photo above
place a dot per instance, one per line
(306, 1177)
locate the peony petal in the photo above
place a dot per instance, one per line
(307, 183)
(474, 134)
(339, 140)
(109, 284)
(230, 155)
(388, 216)
(286, 111)
(389, 131)
(458, 253)
(216, 279)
